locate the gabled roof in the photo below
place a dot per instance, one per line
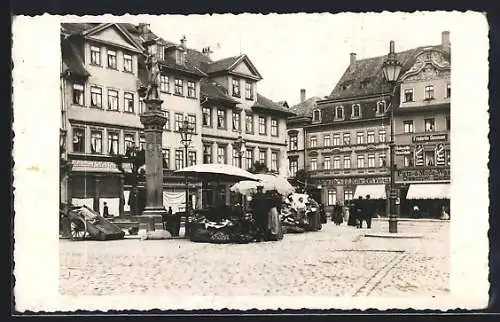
(265, 103)
(367, 77)
(72, 61)
(213, 91)
(306, 107)
(229, 63)
(283, 103)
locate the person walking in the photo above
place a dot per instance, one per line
(359, 210)
(105, 211)
(368, 211)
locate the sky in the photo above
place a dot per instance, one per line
(309, 51)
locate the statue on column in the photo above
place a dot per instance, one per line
(153, 70)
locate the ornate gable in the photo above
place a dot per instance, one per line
(244, 67)
(429, 64)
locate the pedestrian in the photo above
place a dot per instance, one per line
(105, 211)
(359, 212)
(444, 214)
(351, 213)
(368, 211)
(416, 211)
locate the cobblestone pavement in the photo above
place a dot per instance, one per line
(336, 261)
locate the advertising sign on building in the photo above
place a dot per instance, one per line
(419, 155)
(425, 174)
(403, 150)
(430, 138)
(97, 166)
(440, 155)
(355, 181)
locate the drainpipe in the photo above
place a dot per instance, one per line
(305, 154)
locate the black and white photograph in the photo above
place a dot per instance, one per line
(255, 161)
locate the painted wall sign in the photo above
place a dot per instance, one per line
(430, 138)
(354, 181)
(426, 174)
(403, 150)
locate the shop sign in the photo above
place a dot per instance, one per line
(94, 165)
(355, 181)
(430, 138)
(403, 150)
(427, 174)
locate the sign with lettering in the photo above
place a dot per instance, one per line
(419, 155)
(89, 165)
(440, 155)
(403, 150)
(425, 174)
(355, 181)
(430, 138)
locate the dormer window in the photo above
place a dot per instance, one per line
(179, 57)
(380, 107)
(339, 112)
(316, 115)
(356, 111)
(248, 90)
(161, 52)
(236, 87)
(409, 95)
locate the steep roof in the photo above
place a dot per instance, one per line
(265, 103)
(222, 64)
(306, 107)
(367, 77)
(213, 91)
(72, 61)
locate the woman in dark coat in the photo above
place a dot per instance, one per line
(352, 220)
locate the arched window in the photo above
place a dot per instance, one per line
(356, 111)
(380, 107)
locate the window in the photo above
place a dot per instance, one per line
(347, 162)
(249, 123)
(192, 122)
(192, 158)
(191, 89)
(129, 102)
(360, 137)
(274, 127)
(236, 121)
(332, 197)
(179, 159)
(179, 86)
(274, 161)
(167, 121)
(409, 95)
(293, 142)
(95, 56)
(127, 63)
(129, 141)
(96, 141)
(207, 153)
(381, 136)
(111, 59)
(316, 115)
(347, 138)
(262, 157)
(361, 161)
(356, 112)
(221, 119)
(336, 139)
(429, 158)
(78, 140)
(429, 125)
(429, 92)
(262, 125)
(248, 90)
(113, 143)
(448, 90)
(407, 161)
(112, 100)
(408, 126)
(96, 97)
(249, 157)
(294, 167)
(326, 140)
(380, 107)
(236, 158)
(336, 162)
(221, 154)
(78, 94)
(207, 116)
(371, 160)
(164, 86)
(179, 119)
(236, 87)
(312, 142)
(166, 158)
(381, 160)
(348, 194)
(142, 142)
(370, 137)
(339, 112)
(448, 124)
(327, 163)
(314, 164)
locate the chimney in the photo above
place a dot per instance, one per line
(302, 95)
(206, 51)
(445, 40)
(143, 28)
(352, 64)
(183, 42)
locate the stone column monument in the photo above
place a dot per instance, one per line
(153, 120)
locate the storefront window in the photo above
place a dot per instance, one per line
(348, 194)
(332, 197)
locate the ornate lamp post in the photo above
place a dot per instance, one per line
(392, 69)
(239, 145)
(186, 131)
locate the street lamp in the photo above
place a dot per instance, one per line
(239, 146)
(186, 130)
(391, 68)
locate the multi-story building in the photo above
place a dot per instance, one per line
(422, 129)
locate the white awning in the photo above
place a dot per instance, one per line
(376, 191)
(429, 191)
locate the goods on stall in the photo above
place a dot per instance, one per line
(300, 213)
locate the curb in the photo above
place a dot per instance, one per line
(413, 219)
